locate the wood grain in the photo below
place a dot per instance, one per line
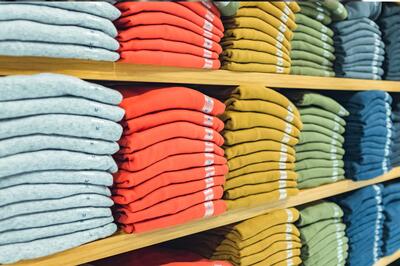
(121, 243)
(94, 70)
(388, 260)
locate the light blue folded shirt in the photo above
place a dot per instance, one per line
(45, 85)
(47, 246)
(17, 30)
(56, 16)
(54, 160)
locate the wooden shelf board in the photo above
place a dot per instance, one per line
(94, 70)
(121, 243)
(385, 261)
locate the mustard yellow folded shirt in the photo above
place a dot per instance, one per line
(253, 34)
(260, 178)
(249, 56)
(256, 146)
(258, 157)
(255, 45)
(261, 14)
(284, 7)
(248, 190)
(273, 10)
(260, 167)
(257, 133)
(243, 120)
(254, 67)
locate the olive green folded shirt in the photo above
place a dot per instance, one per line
(318, 163)
(318, 26)
(317, 211)
(308, 47)
(300, 36)
(323, 122)
(323, 113)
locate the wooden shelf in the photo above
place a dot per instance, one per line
(93, 70)
(121, 243)
(385, 261)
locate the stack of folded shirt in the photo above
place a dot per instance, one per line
(391, 237)
(181, 34)
(57, 135)
(368, 135)
(322, 234)
(312, 46)
(395, 148)
(258, 37)
(389, 23)
(364, 218)
(269, 239)
(172, 166)
(261, 128)
(80, 30)
(159, 256)
(319, 153)
(358, 43)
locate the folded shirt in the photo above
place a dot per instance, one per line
(165, 98)
(312, 23)
(130, 8)
(249, 56)
(203, 210)
(255, 67)
(307, 38)
(141, 159)
(56, 16)
(169, 206)
(318, 100)
(125, 179)
(140, 140)
(160, 18)
(16, 31)
(258, 133)
(58, 124)
(132, 203)
(46, 85)
(248, 190)
(55, 160)
(207, 11)
(258, 157)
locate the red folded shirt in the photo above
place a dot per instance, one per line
(171, 206)
(161, 18)
(141, 101)
(210, 5)
(129, 8)
(125, 197)
(141, 188)
(204, 12)
(144, 158)
(175, 163)
(202, 210)
(159, 256)
(168, 116)
(168, 32)
(146, 138)
(167, 46)
(168, 59)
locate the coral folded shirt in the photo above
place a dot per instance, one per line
(202, 210)
(146, 138)
(204, 12)
(159, 256)
(168, 32)
(124, 196)
(167, 46)
(141, 159)
(169, 116)
(141, 188)
(129, 8)
(161, 18)
(213, 8)
(168, 59)
(171, 206)
(141, 101)
(174, 163)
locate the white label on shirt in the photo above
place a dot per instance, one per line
(335, 163)
(207, 43)
(289, 117)
(333, 141)
(206, 3)
(324, 37)
(377, 50)
(284, 148)
(210, 171)
(288, 128)
(208, 120)
(208, 64)
(280, 37)
(283, 174)
(320, 9)
(289, 253)
(209, 159)
(283, 157)
(210, 16)
(208, 194)
(282, 166)
(289, 228)
(209, 208)
(333, 156)
(324, 29)
(326, 53)
(333, 149)
(285, 138)
(207, 34)
(209, 134)
(289, 262)
(282, 184)
(289, 215)
(207, 53)
(282, 27)
(209, 147)
(279, 53)
(208, 26)
(279, 61)
(336, 127)
(282, 194)
(320, 17)
(208, 104)
(279, 69)
(284, 18)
